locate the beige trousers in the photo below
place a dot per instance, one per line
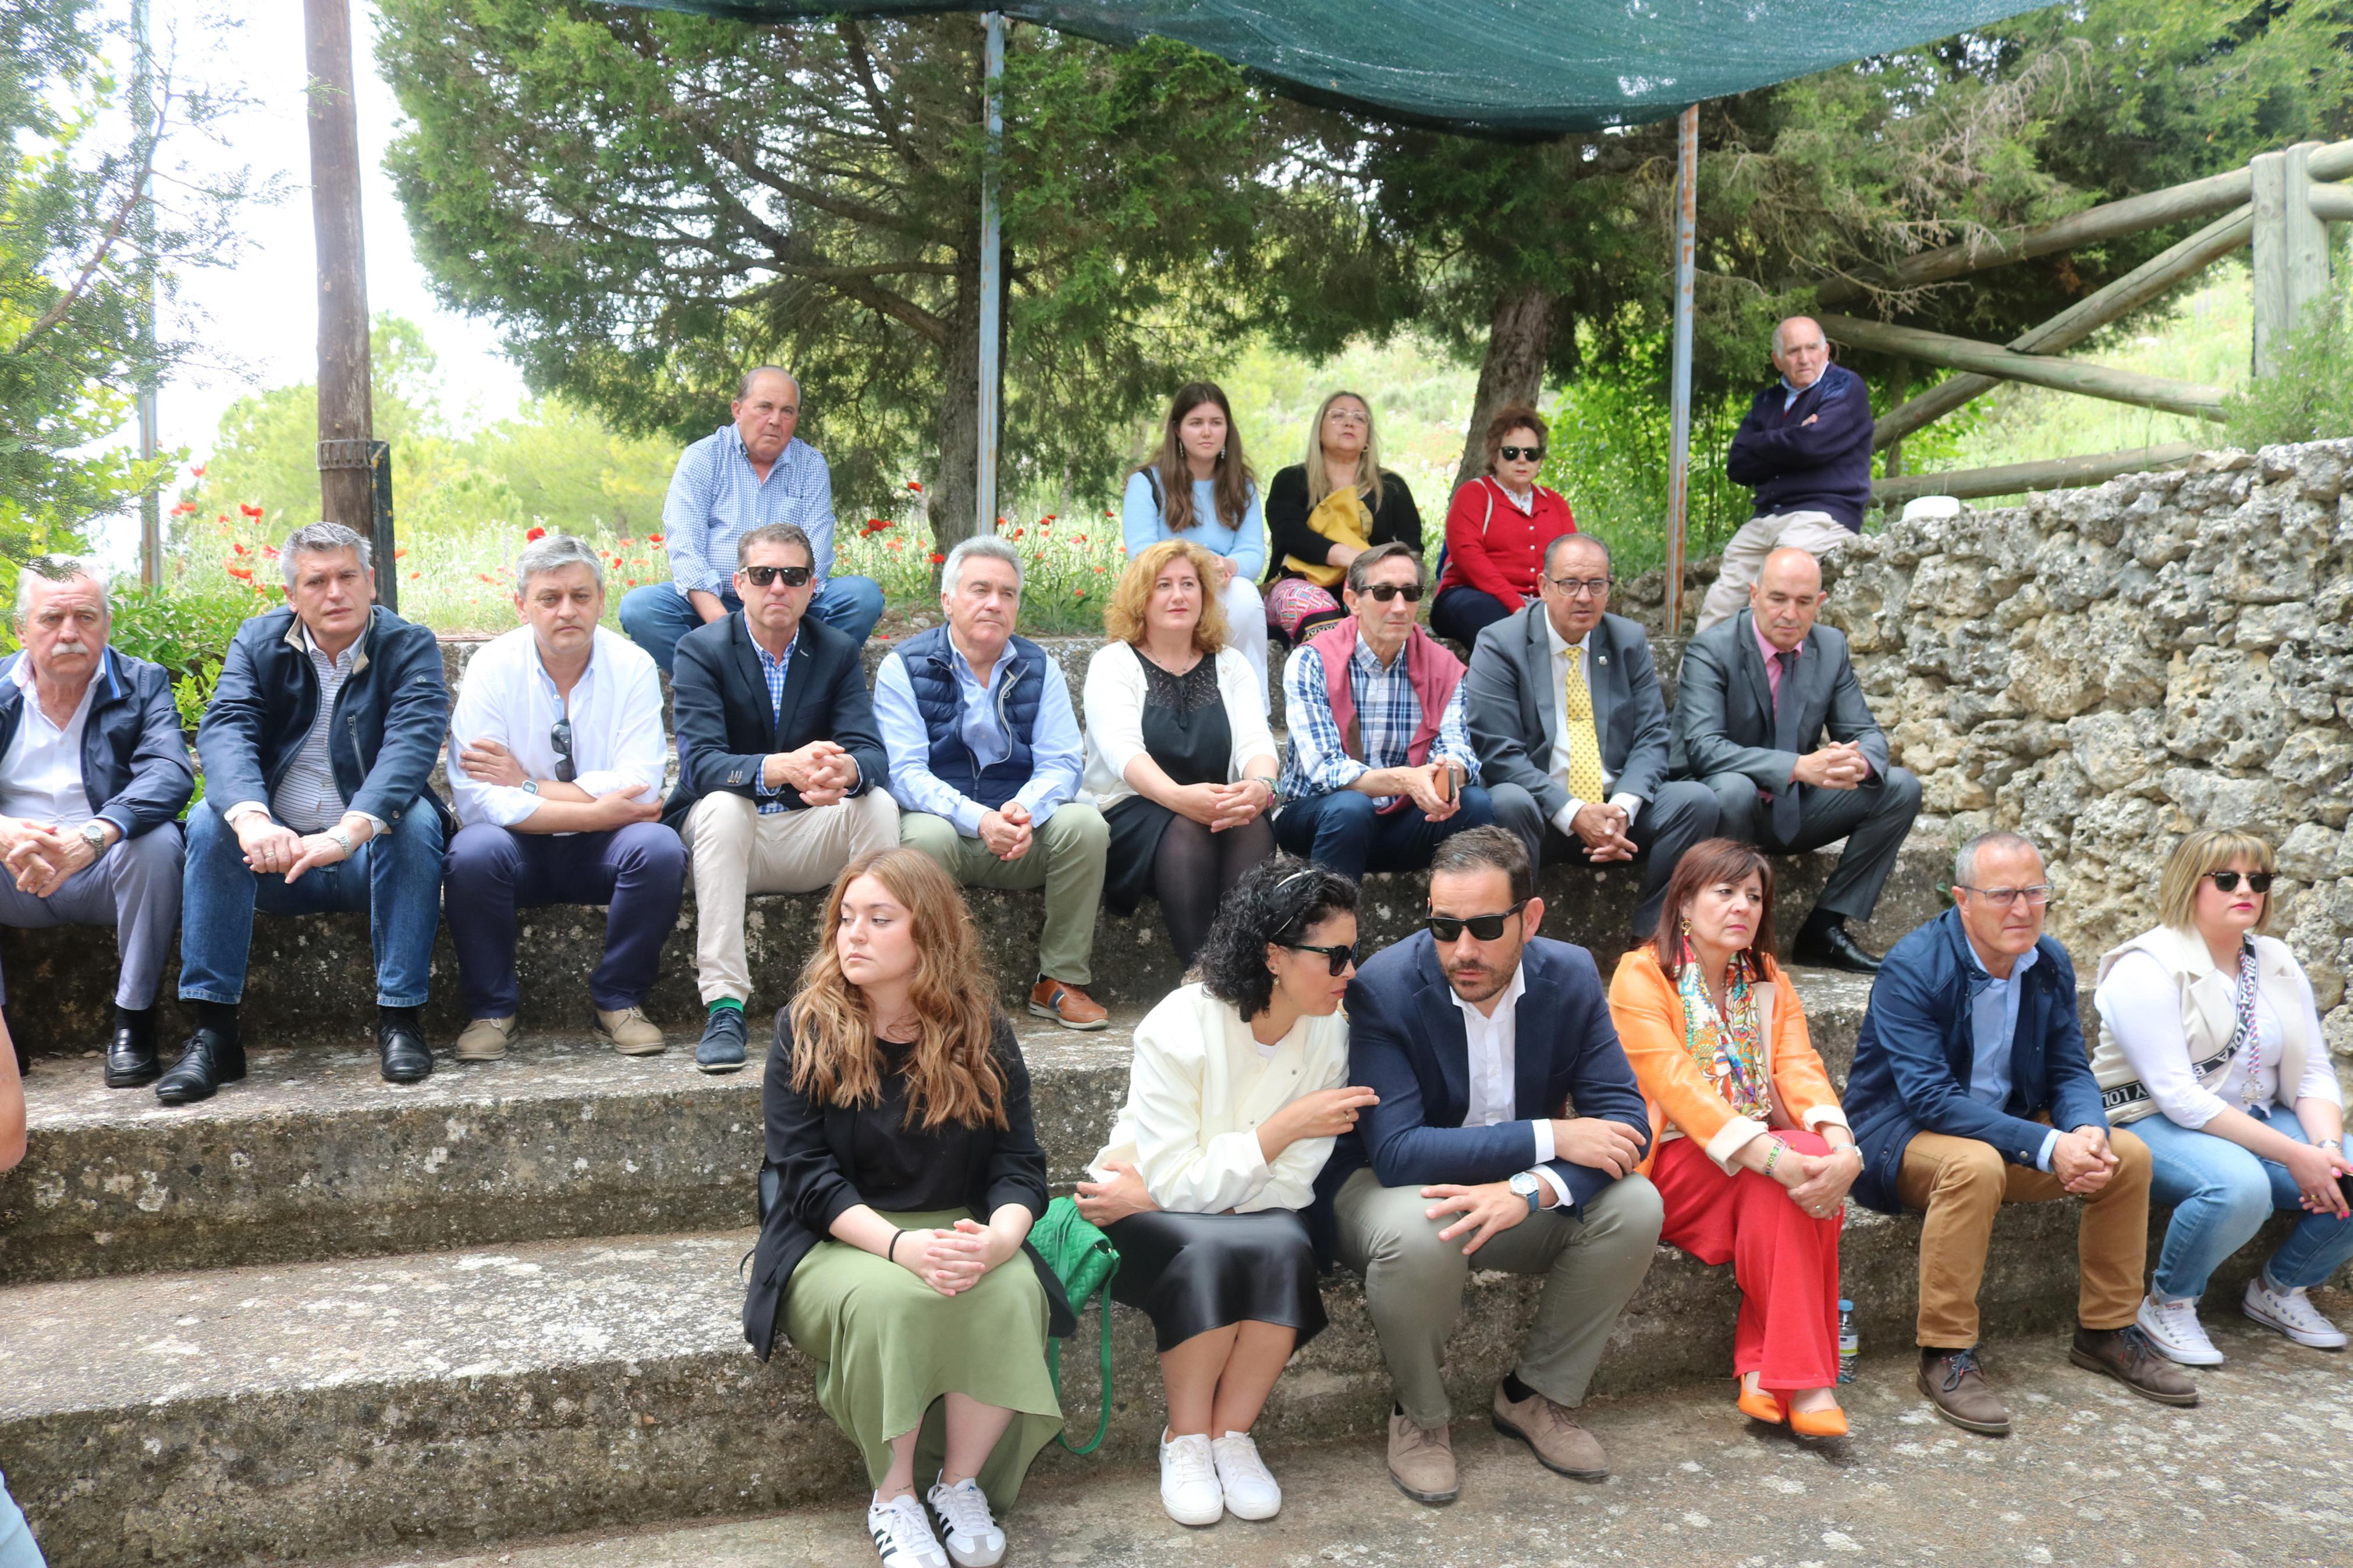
(739, 852)
(1816, 533)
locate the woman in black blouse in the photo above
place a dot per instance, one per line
(1324, 512)
(908, 1176)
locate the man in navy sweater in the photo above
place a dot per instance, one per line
(1805, 449)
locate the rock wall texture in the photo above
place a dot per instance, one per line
(2107, 669)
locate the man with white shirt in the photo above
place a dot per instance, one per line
(1572, 734)
(557, 758)
(1476, 1033)
(93, 773)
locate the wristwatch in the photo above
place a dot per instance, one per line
(1526, 1184)
(93, 833)
(339, 840)
(529, 786)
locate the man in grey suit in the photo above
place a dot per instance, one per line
(1572, 734)
(1757, 698)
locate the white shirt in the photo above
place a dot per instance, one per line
(2142, 1006)
(1494, 1039)
(1565, 818)
(40, 777)
(508, 695)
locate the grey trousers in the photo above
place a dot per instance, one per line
(1679, 816)
(1872, 820)
(135, 886)
(1413, 1282)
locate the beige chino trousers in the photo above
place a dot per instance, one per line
(1816, 533)
(738, 852)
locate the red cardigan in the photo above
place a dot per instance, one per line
(1491, 545)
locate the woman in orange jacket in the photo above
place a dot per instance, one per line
(1748, 1147)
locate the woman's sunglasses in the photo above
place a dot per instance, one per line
(2228, 881)
(1485, 928)
(1339, 957)
(793, 576)
(1521, 454)
(1385, 592)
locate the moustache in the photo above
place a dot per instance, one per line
(75, 646)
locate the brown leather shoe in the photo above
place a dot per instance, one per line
(1561, 1444)
(1955, 1384)
(1067, 1005)
(2126, 1355)
(1421, 1460)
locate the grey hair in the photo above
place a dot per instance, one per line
(60, 569)
(324, 539)
(1785, 321)
(743, 387)
(553, 554)
(1361, 569)
(1562, 541)
(987, 544)
(785, 533)
(1965, 859)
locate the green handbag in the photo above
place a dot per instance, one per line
(1083, 1260)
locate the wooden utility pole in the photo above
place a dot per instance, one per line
(346, 483)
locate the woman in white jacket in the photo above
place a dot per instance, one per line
(2210, 1050)
(1235, 1095)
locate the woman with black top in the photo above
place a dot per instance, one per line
(1316, 531)
(1180, 758)
(895, 1255)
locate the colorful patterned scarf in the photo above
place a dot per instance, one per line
(1727, 1047)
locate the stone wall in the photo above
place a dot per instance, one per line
(2106, 669)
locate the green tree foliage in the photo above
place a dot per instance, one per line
(2308, 395)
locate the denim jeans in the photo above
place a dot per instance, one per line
(657, 614)
(1342, 832)
(2222, 1194)
(396, 878)
(17, 1548)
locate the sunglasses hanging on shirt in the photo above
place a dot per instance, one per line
(560, 738)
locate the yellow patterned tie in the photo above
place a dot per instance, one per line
(1585, 780)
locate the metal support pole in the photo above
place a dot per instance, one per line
(992, 284)
(143, 108)
(1679, 439)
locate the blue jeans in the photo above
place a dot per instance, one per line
(2222, 1194)
(1343, 832)
(396, 878)
(18, 1547)
(657, 614)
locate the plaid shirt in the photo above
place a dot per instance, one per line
(715, 499)
(1388, 713)
(773, 670)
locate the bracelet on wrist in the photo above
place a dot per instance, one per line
(891, 1252)
(1773, 1155)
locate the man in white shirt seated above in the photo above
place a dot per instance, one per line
(556, 760)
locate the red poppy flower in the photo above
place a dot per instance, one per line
(238, 549)
(916, 485)
(244, 572)
(248, 509)
(197, 472)
(400, 555)
(535, 533)
(413, 576)
(1017, 533)
(937, 558)
(625, 543)
(653, 539)
(221, 517)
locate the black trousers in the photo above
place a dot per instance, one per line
(1872, 820)
(1680, 816)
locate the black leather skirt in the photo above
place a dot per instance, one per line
(1196, 1272)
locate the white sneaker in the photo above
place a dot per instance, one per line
(903, 1533)
(1250, 1491)
(2174, 1329)
(1189, 1480)
(973, 1539)
(2291, 1314)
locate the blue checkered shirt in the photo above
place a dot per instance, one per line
(773, 670)
(1388, 713)
(715, 499)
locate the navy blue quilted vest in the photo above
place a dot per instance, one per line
(930, 671)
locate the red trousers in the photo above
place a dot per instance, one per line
(1786, 1261)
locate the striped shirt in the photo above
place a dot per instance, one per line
(773, 669)
(1388, 713)
(716, 498)
(307, 799)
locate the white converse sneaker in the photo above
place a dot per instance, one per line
(903, 1533)
(973, 1539)
(1189, 1480)
(2174, 1329)
(1250, 1491)
(2291, 1314)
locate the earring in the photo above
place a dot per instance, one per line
(1687, 927)
(1221, 454)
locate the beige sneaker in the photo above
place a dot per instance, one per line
(1421, 1460)
(485, 1039)
(631, 1032)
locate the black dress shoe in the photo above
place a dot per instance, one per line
(211, 1058)
(402, 1050)
(1829, 947)
(130, 1052)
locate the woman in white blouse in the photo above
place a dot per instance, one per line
(1180, 758)
(2210, 1050)
(1234, 1098)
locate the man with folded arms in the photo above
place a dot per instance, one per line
(558, 760)
(1971, 1089)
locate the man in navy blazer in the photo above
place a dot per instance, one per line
(781, 778)
(1507, 1136)
(1971, 1089)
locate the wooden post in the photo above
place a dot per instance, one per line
(2272, 318)
(2306, 237)
(992, 279)
(346, 485)
(143, 109)
(1899, 393)
(1679, 387)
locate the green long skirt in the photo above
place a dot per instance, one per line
(888, 1347)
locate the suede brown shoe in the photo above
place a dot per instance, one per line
(2126, 1355)
(1955, 1384)
(1067, 1005)
(1421, 1460)
(1561, 1445)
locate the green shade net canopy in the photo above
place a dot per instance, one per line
(1501, 68)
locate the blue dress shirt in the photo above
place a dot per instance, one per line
(1993, 1024)
(1056, 752)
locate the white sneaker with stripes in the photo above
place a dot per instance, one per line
(903, 1533)
(974, 1538)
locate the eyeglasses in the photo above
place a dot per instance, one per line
(561, 739)
(1339, 957)
(2002, 898)
(2228, 881)
(1520, 454)
(1409, 591)
(1582, 587)
(793, 576)
(1484, 927)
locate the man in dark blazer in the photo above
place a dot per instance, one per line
(93, 773)
(1506, 1137)
(781, 778)
(1971, 1089)
(1755, 700)
(322, 731)
(1572, 734)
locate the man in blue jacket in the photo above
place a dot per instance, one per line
(1971, 1089)
(1805, 449)
(316, 750)
(93, 773)
(1478, 1036)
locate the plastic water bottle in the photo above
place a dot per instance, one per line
(1850, 1342)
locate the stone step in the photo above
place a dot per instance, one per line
(315, 1156)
